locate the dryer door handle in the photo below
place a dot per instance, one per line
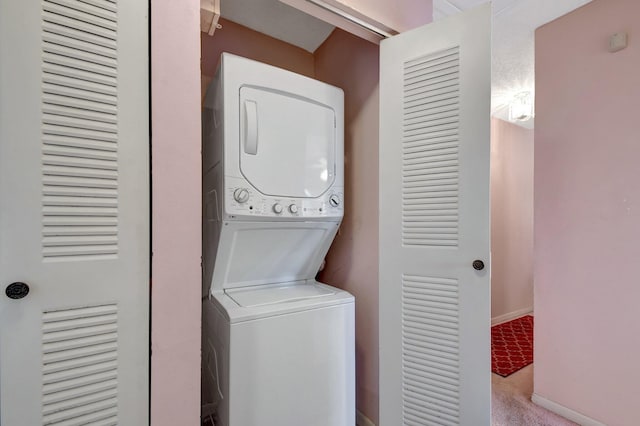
(251, 127)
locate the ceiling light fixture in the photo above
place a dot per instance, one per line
(521, 107)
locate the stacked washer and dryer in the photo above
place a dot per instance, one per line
(278, 346)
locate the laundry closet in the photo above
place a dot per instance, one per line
(428, 329)
(358, 77)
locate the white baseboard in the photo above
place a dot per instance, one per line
(362, 420)
(511, 315)
(565, 412)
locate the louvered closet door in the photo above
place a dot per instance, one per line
(74, 212)
(434, 222)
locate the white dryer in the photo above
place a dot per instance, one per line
(278, 347)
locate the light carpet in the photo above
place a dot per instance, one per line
(511, 402)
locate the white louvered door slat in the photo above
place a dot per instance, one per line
(434, 222)
(74, 212)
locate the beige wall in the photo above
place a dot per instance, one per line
(587, 213)
(511, 220)
(176, 195)
(352, 263)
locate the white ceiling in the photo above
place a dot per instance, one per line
(514, 23)
(277, 20)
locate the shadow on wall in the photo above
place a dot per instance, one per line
(511, 220)
(351, 63)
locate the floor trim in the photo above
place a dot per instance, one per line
(565, 412)
(362, 420)
(511, 315)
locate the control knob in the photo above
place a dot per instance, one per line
(241, 195)
(293, 209)
(277, 208)
(334, 200)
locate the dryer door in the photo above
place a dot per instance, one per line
(287, 143)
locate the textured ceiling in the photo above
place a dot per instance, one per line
(514, 23)
(277, 20)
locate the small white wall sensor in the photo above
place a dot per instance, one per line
(618, 41)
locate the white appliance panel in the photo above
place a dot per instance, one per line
(269, 295)
(264, 207)
(235, 313)
(287, 143)
(251, 254)
(304, 374)
(279, 138)
(278, 346)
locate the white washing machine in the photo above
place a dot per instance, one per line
(278, 347)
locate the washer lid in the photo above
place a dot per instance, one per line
(287, 143)
(283, 293)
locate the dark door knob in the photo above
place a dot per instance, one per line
(17, 290)
(478, 265)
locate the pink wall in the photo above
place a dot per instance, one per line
(511, 219)
(175, 298)
(587, 213)
(239, 40)
(352, 64)
(401, 15)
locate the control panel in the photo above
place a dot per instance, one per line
(243, 200)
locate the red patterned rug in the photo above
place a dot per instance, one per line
(512, 345)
